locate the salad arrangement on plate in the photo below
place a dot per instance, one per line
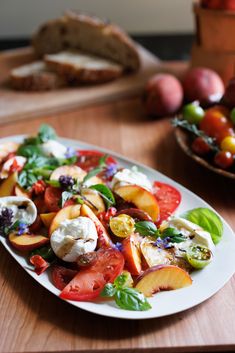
(100, 230)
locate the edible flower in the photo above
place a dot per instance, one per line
(110, 170)
(6, 219)
(22, 228)
(66, 181)
(70, 152)
(163, 243)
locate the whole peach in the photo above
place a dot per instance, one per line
(163, 95)
(204, 85)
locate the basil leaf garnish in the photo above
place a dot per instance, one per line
(131, 299)
(104, 192)
(208, 220)
(146, 228)
(46, 133)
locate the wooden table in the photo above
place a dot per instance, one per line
(33, 320)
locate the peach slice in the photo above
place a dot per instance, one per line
(47, 218)
(19, 191)
(68, 212)
(68, 170)
(162, 277)
(93, 198)
(103, 237)
(154, 255)
(27, 242)
(131, 253)
(141, 198)
(8, 185)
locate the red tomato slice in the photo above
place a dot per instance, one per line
(88, 159)
(52, 198)
(168, 199)
(88, 283)
(61, 276)
(39, 263)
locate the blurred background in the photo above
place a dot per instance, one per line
(165, 27)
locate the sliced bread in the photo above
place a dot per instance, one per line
(35, 77)
(80, 67)
(79, 31)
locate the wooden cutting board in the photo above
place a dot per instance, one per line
(20, 105)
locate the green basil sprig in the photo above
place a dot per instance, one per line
(125, 297)
(105, 193)
(173, 235)
(147, 228)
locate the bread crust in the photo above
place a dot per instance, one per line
(76, 30)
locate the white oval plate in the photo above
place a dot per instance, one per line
(205, 283)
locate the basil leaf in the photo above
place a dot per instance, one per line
(66, 195)
(45, 252)
(105, 192)
(29, 151)
(131, 299)
(121, 280)
(32, 141)
(208, 220)
(27, 179)
(67, 161)
(46, 133)
(174, 235)
(108, 291)
(146, 228)
(102, 161)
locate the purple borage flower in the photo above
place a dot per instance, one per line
(70, 152)
(22, 228)
(6, 219)
(66, 181)
(118, 246)
(110, 170)
(163, 243)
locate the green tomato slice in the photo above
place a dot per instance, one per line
(198, 256)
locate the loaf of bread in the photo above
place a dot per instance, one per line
(35, 77)
(79, 67)
(90, 34)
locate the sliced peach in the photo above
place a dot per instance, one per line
(27, 242)
(93, 200)
(68, 170)
(6, 148)
(141, 198)
(162, 277)
(131, 253)
(154, 255)
(19, 191)
(8, 185)
(47, 218)
(103, 237)
(68, 212)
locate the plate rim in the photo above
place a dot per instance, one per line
(135, 315)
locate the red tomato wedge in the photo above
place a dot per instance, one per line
(88, 283)
(168, 199)
(89, 159)
(52, 198)
(61, 276)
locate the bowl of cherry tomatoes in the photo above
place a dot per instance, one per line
(208, 136)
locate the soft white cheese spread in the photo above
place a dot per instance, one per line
(23, 208)
(54, 148)
(74, 237)
(130, 177)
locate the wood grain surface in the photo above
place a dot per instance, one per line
(34, 320)
(16, 105)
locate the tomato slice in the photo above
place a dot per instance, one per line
(52, 198)
(89, 159)
(61, 276)
(88, 283)
(168, 199)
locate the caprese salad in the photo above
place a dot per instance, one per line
(100, 230)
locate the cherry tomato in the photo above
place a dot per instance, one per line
(228, 144)
(89, 282)
(88, 259)
(168, 199)
(198, 256)
(105, 216)
(216, 124)
(193, 113)
(223, 159)
(200, 146)
(122, 225)
(39, 187)
(61, 276)
(88, 159)
(52, 198)
(39, 263)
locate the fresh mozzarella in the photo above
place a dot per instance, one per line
(192, 231)
(23, 208)
(130, 177)
(74, 237)
(54, 149)
(19, 160)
